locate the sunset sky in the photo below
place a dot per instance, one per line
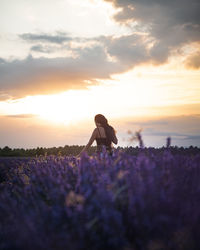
(135, 61)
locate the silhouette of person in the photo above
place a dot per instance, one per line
(104, 135)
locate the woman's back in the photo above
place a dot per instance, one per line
(104, 135)
(102, 139)
(101, 133)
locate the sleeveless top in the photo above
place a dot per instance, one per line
(103, 141)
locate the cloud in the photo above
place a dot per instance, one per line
(170, 23)
(183, 126)
(59, 38)
(192, 137)
(184, 130)
(32, 133)
(21, 116)
(149, 123)
(33, 76)
(130, 50)
(193, 61)
(70, 63)
(153, 132)
(87, 63)
(2, 60)
(159, 28)
(42, 49)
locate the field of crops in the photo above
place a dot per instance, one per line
(146, 201)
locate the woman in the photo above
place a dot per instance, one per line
(104, 135)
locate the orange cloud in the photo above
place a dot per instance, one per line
(193, 61)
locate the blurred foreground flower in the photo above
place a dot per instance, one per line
(73, 199)
(136, 137)
(121, 174)
(168, 144)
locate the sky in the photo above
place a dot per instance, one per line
(135, 61)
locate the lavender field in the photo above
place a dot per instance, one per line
(146, 201)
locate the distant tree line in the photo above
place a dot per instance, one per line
(42, 151)
(76, 149)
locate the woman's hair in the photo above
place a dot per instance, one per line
(101, 119)
(104, 123)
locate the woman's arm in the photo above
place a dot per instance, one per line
(91, 140)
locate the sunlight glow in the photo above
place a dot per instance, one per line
(140, 92)
(68, 107)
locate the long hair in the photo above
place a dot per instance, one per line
(104, 123)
